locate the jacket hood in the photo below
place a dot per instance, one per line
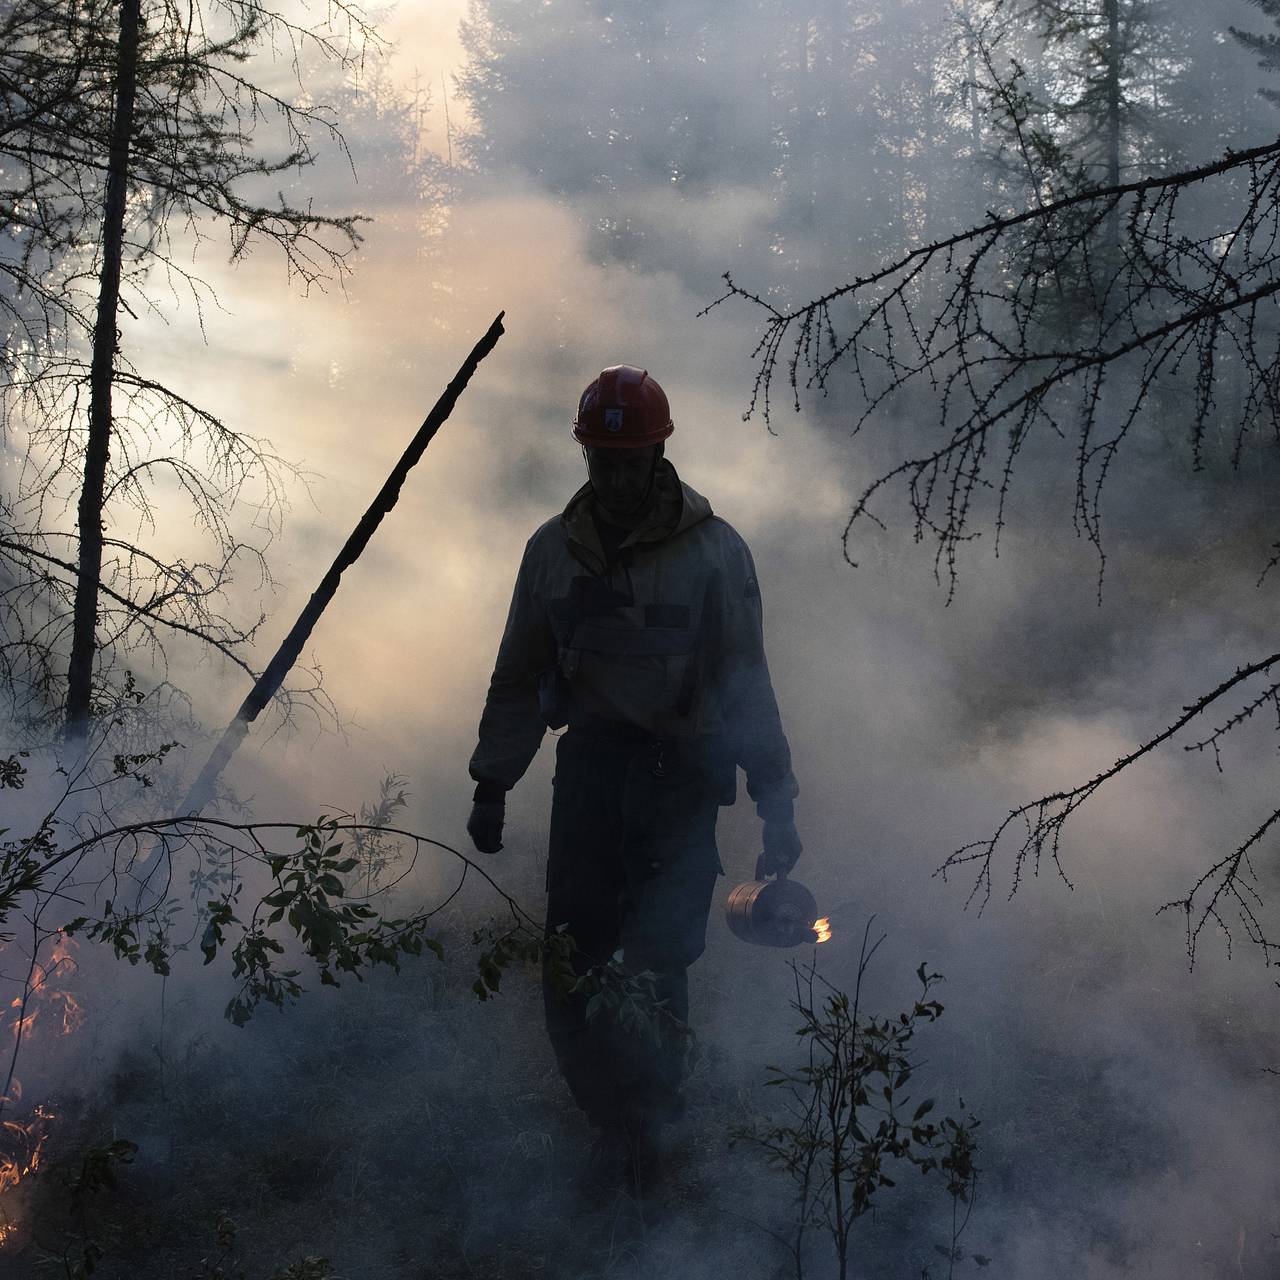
(673, 507)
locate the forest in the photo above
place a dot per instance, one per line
(966, 313)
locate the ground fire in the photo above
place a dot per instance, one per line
(43, 999)
(44, 1002)
(21, 1147)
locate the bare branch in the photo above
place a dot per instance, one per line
(1043, 819)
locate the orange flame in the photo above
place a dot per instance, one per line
(44, 999)
(42, 996)
(23, 1146)
(823, 929)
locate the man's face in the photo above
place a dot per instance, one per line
(620, 478)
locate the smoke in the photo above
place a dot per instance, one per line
(1128, 1127)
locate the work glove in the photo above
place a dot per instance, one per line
(485, 824)
(782, 848)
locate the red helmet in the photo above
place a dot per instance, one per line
(623, 409)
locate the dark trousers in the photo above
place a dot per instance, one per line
(632, 866)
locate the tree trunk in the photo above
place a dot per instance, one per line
(102, 373)
(1113, 117)
(971, 66)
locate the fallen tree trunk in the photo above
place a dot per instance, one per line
(271, 679)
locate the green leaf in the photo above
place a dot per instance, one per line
(209, 942)
(157, 957)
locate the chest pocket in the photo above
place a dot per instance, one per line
(633, 657)
(661, 631)
(664, 660)
(593, 617)
(638, 660)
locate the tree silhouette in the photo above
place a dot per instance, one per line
(1184, 314)
(127, 134)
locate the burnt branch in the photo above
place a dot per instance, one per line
(150, 609)
(1040, 823)
(1041, 326)
(1228, 887)
(204, 146)
(1067, 320)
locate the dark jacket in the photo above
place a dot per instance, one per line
(666, 638)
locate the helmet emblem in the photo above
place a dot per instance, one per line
(613, 419)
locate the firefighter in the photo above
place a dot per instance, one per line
(635, 626)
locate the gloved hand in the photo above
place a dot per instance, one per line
(485, 824)
(782, 847)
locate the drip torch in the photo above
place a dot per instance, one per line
(775, 913)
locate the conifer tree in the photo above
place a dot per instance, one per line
(128, 134)
(1266, 46)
